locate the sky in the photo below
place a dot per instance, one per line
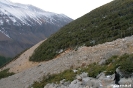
(71, 8)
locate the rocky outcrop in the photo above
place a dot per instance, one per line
(83, 81)
(81, 57)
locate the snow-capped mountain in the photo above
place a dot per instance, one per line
(24, 13)
(25, 25)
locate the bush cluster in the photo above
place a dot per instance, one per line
(68, 75)
(5, 73)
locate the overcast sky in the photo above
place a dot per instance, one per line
(72, 8)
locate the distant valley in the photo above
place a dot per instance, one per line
(22, 26)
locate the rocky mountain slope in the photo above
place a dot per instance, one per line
(70, 58)
(22, 26)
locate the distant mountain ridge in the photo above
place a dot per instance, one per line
(27, 14)
(22, 26)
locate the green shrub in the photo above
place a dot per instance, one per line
(125, 62)
(5, 73)
(93, 69)
(110, 69)
(126, 65)
(68, 75)
(111, 60)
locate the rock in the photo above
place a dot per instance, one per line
(126, 81)
(87, 87)
(66, 83)
(119, 71)
(110, 86)
(51, 86)
(96, 84)
(47, 86)
(89, 83)
(75, 81)
(75, 71)
(62, 81)
(102, 62)
(84, 75)
(62, 86)
(79, 78)
(77, 85)
(101, 75)
(132, 76)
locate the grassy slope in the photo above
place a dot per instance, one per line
(106, 23)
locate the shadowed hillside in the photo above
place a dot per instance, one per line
(4, 60)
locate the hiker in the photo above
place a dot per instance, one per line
(117, 78)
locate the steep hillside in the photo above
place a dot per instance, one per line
(69, 59)
(22, 26)
(106, 23)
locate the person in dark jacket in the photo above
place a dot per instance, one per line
(117, 78)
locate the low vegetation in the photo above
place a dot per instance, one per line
(125, 62)
(68, 75)
(5, 73)
(106, 23)
(4, 60)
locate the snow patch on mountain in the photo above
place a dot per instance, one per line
(25, 13)
(1, 22)
(4, 32)
(5, 1)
